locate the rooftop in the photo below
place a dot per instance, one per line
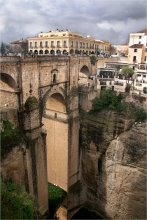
(136, 46)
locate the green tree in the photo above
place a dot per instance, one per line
(93, 59)
(3, 48)
(128, 72)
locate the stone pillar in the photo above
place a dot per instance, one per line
(74, 186)
(36, 168)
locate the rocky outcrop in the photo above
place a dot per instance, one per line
(114, 166)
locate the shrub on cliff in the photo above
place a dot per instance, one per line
(10, 137)
(107, 100)
(140, 115)
(16, 204)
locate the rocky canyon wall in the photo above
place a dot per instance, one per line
(113, 165)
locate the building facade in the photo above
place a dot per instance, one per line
(66, 42)
(138, 47)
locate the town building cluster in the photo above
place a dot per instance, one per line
(109, 75)
(112, 75)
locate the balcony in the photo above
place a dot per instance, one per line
(102, 83)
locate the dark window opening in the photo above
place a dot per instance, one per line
(54, 78)
(55, 115)
(134, 58)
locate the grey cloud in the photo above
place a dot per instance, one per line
(99, 18)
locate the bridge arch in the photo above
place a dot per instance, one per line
(55, 120)
(8, 93)
(6, 78)
(85, 70)
(84, 75)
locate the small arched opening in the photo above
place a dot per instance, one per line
(71, 52)
(58, 52)
(76, 52)
(65, 52)
(40, 51)
(35, 51)
(46, 52)
(52, 52)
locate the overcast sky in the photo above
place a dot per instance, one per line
(110, 20)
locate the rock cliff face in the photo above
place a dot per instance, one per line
(114, 166)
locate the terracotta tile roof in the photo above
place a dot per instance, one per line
(136, 46)
(143, 31)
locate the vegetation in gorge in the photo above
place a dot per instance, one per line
(10, 137)
(16, 204)
(113, 101)
(56, 196)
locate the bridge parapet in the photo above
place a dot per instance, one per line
(7, 59)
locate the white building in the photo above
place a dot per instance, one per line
(138, 47)
(140, 79)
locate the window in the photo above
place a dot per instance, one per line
(80, 44)
(30, 44)
(139, 42)
(77, 44)
(52, 43)
(72, 44)
(139, 37)
(54, 78)
(35, 44)
(41, 44)
(134, 58)
(64, 43)
(58, 43)
(135, 50)
(46, 43)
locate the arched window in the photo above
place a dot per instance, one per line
(41, 52)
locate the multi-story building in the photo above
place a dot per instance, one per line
(66, 42)
(138, 47)
(19, 46)
(140, 79)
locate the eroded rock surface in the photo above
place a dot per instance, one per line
(114, 166)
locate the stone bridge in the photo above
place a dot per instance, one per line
(54, 82)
